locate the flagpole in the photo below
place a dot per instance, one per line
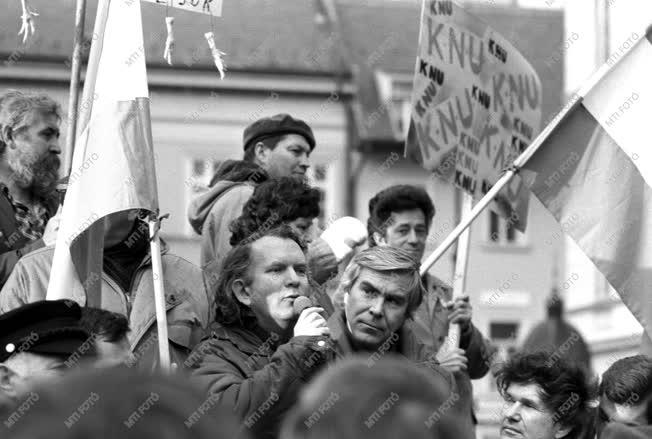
(461, 262)
(73, 98)
(516, 166)
(159, 294)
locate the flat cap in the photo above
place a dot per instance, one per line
(49, 327)
(278, 124)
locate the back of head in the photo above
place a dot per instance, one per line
(274, 202)
(393, 398)
(111, 326)
(397, 198)
(566, 391)
(629, 382)
(122, 403)
(627, 377)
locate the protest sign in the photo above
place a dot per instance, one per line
(476, 105)
(212, 7)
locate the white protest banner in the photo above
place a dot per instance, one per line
(211, 7)
(476, 105)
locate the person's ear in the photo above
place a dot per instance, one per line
(380, 239)
(241, 292)
(8, 381)
(261, 152)
(562, 432)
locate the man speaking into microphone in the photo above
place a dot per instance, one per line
(261, 349)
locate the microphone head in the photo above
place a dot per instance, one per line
(301, 303)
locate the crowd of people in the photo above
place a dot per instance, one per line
(278, 333)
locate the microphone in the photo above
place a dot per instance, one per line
(301, 303)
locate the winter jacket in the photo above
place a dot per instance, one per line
(431, 325)
(211, 214)
(185, 297)
(407, 344)
(256, 377)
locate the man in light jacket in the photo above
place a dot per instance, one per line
(127, 288)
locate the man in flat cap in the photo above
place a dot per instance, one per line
(277, 146)
(36, 342)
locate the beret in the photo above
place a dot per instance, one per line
(278, 124)
(49, 327)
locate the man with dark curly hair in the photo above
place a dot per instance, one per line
(544, 400)
(287, 200)
(626, 395)
(401, 216)
(260, 350)
(284, 200)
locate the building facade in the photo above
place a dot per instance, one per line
(281, 58)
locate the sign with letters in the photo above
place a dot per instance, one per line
(211, 7)
(476, 105)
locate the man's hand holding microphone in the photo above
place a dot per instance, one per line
(310, 322)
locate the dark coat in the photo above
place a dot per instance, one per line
(258, 380)
(410, 346)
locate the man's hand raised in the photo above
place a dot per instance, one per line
(311, 323)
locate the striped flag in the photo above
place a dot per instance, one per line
(113, 162)
(594, 173)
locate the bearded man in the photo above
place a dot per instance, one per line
(29, 168)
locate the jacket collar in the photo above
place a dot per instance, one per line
(406, 343)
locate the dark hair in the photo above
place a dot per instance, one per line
(269, 142)
(109, 325)
(126, 403)
(228, 309)
(389, 398)
(565, 389)
(275, 202)
(397, 199)
(238, 170)
(629, 381)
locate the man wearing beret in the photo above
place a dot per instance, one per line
(36, 341)
(277, 146)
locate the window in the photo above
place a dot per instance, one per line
(503, 336)
(503, 331)
(502, 232)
